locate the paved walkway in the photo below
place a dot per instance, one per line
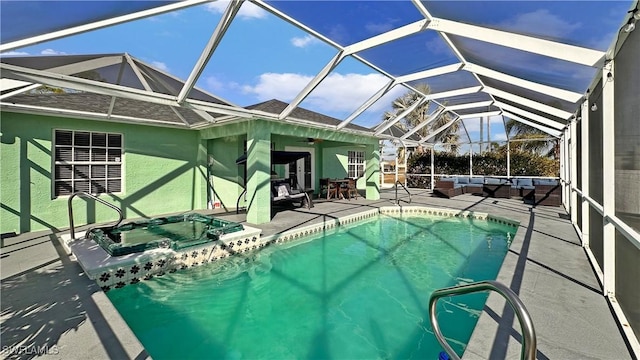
(48, 303)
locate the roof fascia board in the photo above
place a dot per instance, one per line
(401, 116)
(439, 130)
(515, 110)
(571, 53)
(312, 85)
(375, 97)
(429, 120)
(470, 105)
(544, 89)
(548, 130)
(481, 114)
(529, 103)
(289, 120)
(386, 37)
(429, 73)
(85, 115)
(99, 24)
(215, 39)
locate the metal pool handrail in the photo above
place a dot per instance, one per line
(87, 195)
(397, 201)
(238, 201)
(528, 332)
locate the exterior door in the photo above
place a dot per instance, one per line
(303, 169)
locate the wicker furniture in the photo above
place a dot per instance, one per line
(448, 188)
(497, 188)
(548, 195)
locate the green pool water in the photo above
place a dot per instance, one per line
(356, 292)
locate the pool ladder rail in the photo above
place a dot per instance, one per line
(72, 229)
(397, 200)
(526, 324)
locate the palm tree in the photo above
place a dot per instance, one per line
(449, 137)
(538, 141)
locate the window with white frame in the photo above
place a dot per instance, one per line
(355, 164)
(87, 161)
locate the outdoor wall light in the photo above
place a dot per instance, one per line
(609, 76)
(594, 107)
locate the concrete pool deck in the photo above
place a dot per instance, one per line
(48, 303)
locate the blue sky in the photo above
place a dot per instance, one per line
(263, 57)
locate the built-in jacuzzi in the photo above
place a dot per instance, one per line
(172, 232)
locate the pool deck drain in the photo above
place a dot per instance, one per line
(47, 299)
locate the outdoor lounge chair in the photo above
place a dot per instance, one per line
(281, 192)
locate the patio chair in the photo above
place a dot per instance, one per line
(329, 187)
(349, 188)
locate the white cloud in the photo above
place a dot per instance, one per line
(52, 52)
(378, 28)
(160, 65)
(337, 93)
(541, 22)
(247, 10)
(277, 86)
(14, 53)
(303, 41)
(437, 46)
(214, 85)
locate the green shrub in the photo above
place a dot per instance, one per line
(489, 163)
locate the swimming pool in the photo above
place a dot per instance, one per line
(354, 292)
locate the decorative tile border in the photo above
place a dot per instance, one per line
(120, 276)
(440, 212)
(157, 262)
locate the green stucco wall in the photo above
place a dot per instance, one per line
(335, 161)
(225, 145)
(226, 178)
(164, 171)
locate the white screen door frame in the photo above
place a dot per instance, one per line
(300, 169)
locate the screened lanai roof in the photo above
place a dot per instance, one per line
(530, 61)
